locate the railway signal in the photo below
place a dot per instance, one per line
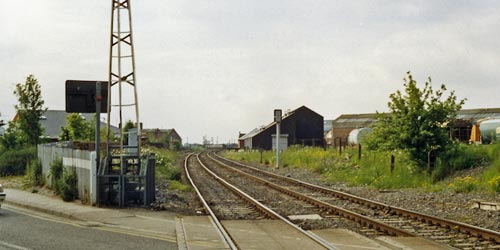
(277, 119)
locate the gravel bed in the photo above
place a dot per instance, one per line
(443, 204)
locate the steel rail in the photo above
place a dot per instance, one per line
(228, 240)
(262, 207)
(462, 227)
(363, 220)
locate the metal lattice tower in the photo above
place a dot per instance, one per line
(122, 77)
(122, 168)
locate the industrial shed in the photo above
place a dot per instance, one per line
(302, 126)
(469, 120)
(460, 130)
(344, 124)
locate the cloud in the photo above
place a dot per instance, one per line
(216, 68)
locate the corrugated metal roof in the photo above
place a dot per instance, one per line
(354, 121)
(475, 115)
(365, 120)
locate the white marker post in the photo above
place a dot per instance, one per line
(277, 119)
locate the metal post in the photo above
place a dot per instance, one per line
(98, 99)
(359, 151)
(277, 145)
(277, 119)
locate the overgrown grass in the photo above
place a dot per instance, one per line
(177, 185)
(460, 157)
(489, 180)
(167, 168)
(374, 167)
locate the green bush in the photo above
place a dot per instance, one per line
(56, 174)
(460, 157)
(14, 161)
(69, 184)
(34, 175)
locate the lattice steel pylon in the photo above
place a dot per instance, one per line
(122, 175)
(122, 67)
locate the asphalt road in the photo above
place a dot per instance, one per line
(25, 231)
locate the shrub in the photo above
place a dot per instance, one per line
(69, 185)
(14, 161)
(494, 184)
(465, 184)
(460, 157)
(56, 173)
(34, 175)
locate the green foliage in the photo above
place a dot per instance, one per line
(417, 121)
(34, 175)
(374, 167)
(56, 173)
(177, 185)
(14, 161)
(494, 184)
(30, 109)
(13, 137)
(460, 157)
(465, 184)
(252, 156)
(69, 184)
(77, 128)
(372, 170)
(164, 163)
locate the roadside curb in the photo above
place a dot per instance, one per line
(43, 210)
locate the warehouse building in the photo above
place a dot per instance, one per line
(301, 126)
(466, 128)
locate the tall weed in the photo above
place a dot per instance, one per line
(34, 175)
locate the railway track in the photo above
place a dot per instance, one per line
(369, 213)
(235, 204)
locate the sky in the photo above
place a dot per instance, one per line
(217, 68)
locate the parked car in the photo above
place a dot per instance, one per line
(2, 195)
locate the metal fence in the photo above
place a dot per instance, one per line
(83, 161)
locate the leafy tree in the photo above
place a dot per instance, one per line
(76, 128)
(417, 121)
(13, 137)
(30, 109)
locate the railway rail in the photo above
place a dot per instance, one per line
(197, 173)
(386, 218)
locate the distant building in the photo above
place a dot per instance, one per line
(53, 120)
(466, 128)
(344, 124)
(162, 138)
(301, 126)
